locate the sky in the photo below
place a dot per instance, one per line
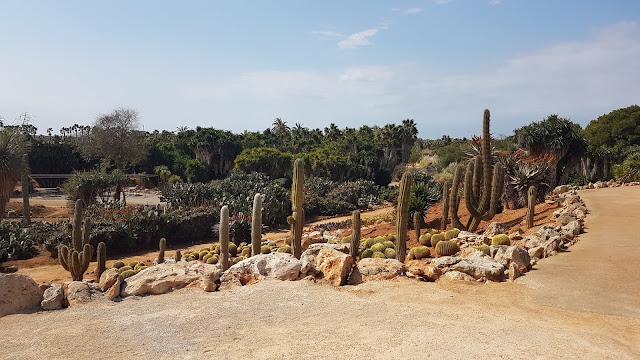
(237, 65)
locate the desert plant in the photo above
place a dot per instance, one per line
(417, 224)
(128, 273)
(296, 219)
(101, 259)
(284, 249)
(378, 255)
(402, 216)
(162, 245)
(436, 238)
(501, 239)
(420, 252)
(378, 247)
(484, 248)
(531, 205)
(13, 163)
(355, 234)
(256, 224)
(76, 260)
(425, 239)
(447, 248)
(445, 206)
(178, 256)
(390, 253)
(482, 192)
(118, 264)
(224, 237)
(366, 253)
(265, 249)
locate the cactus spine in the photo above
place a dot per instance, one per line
(482, 190)
(76, 260)
(163, 246)
(25, 199)
(101, 259)
(531, 205)
(296, 219)
(445, 206)
(224, 237)
(256, 225)
(417, 224)
(402, 216)
(355, 235)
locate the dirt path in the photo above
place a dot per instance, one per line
(581, 304)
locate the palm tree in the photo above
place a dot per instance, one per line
(13, 163)
(280, 126)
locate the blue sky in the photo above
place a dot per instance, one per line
(238, 64)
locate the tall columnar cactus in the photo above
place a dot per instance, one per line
(482, 190)
(178, 256)
(402, 216)
(76, 260)
(296, 219)
(101, 259)
(224, 237)
(25, 199)
(162, 245)
(355, 234)
(531, 205)
(445, 206)
(417, 224)
(256, 225)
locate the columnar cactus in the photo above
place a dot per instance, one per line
(162, 245)
(402, 216)
(256, 225)
(224, 237)
(178, 256)
(482, 190)
(445, 206)
(355, 234)
(296, 219)
(101, 259)
(76, 260)
(25, 199)
(454, 198)
(417, 224)
(531, 205)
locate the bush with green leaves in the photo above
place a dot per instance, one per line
(629, 170)
(88, 185)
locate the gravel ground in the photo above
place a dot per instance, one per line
(565, 309)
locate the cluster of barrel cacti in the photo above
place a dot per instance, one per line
(433, 237)
(380, 247)
(131, 269)
(77, 258)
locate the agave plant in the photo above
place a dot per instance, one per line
(13, 163)
(523, 171)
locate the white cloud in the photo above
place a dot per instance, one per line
(327, 33)
(358, 39)
(442, 2)
(494, 2)
(408, 11)
(579, 80)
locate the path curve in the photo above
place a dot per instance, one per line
(580, 304)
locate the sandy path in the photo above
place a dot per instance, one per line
(574, 305)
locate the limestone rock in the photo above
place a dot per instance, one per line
(496, 228)
(310, 241)
(565, 219)
(536, 252)
(164, 277)
(334, 266)
(481, 267)
(114, 291)
(547, 232)
(514, 272)
(18, 292)
(455, 276)
(519, 256)
(371, 269)
(53, 297)
(78, 292)
(424, 269)
(470, 252)
(308, 257)
(572, 229)
(108, 278)
(561, 189)
(551, 246)
(280, 266)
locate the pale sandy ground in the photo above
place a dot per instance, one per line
(583, 304)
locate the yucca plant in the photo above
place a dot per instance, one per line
(13, 163)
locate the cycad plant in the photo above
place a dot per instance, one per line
(13, 163)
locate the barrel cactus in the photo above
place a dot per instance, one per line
(421, 252)
(390, 253)
(447, 248)
(265, 249)
(118, 264)
(378, 255)
(484, 248)
(367, 253)
(436, 238)
(128, 273)
(378, 247)
(285, 249)
(425, 239)
(501, 239)
(124, 268)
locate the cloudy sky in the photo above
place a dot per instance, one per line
(239, 64)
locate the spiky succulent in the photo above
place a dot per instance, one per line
(127, 273)
(378, 255)
(425, 239)
(367, 253)
(436, 238)
(390, 253)
(447, 248)
(378, 247)
(265, 249)
(118, 264)
(420, 252)
(285, 249)
(500, 239)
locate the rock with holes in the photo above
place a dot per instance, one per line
(278, 266)
(78, 292)
(108, 278)
(371, 269)
(480, 267)
(496, 228)
(18, 292)
(455, 276)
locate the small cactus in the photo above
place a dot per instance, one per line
(162, 245)
(224, 237)
(118, 264)
(256, 225)
(500, 239)
(370, 242)
(124, 268)
(531, 205)
(285, 249)
(233, 249)
(178, 256)
(389, 244)
(436, 238)
(447, 248)
(212, 260)
(101, 259)
(484, 248)
(346, 239)
(378, 247)
(367, 253)
(133, 264)
(390, 253)
(425, 239)
(127, 273)
(265, 249)
(378, 255)
(421, 252)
